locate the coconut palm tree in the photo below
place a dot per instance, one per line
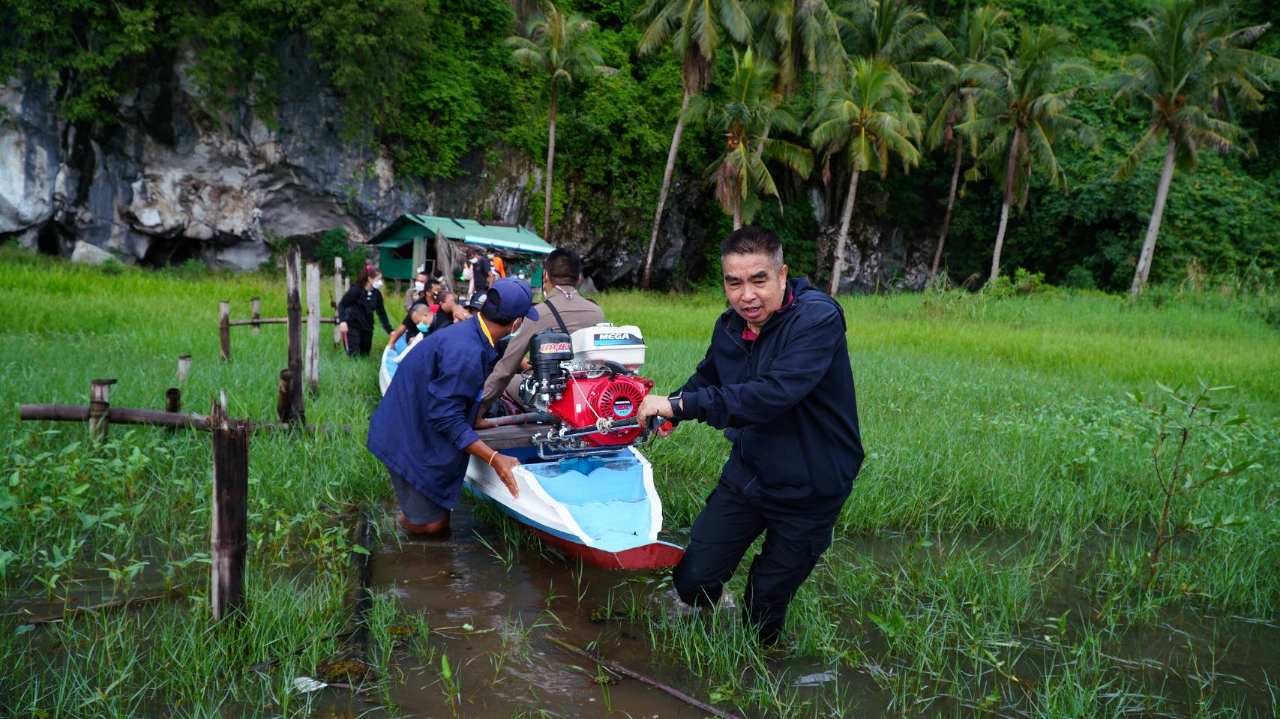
(982, 31)
(1022, 101)
(741, 174)
(1189, 62)
(896, 32)
(861, 122)
(558, 46)
(694, 28)
(797, 36)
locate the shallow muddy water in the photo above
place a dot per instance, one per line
(493, 621)
(493, 611)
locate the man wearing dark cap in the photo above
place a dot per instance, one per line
(423, 430)
(777, 380)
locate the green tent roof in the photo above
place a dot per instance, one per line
(409, 227)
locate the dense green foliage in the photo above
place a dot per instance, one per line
(433, 82)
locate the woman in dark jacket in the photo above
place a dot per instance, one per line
(355, 312)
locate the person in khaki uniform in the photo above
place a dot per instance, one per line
(562, 270)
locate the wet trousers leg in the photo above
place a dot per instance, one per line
(794, 541)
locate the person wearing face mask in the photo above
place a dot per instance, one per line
(481, 272)
(416, 290)
(356, 311)
(777, 379)
(416, 324)
(424, 428)
(443, 315)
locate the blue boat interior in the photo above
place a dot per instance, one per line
(388, 363)
(605, 494)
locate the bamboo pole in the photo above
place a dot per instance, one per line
(277, 321)
(99, 405)
(126, 603)
(184, 367)
(623, 671)
(117, 415)
(313, 328)
(173, 400)
(293, 276)
(228, 536)
(256, 303)
(151, 417)
(224, 329)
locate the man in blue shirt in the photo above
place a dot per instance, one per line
(423, 430)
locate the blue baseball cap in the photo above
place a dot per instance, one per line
(512, 298)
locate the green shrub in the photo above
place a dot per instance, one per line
(1022, 283)
(1080, 277)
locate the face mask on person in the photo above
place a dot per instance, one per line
(418, 287)
(423, 327)
(377, 284)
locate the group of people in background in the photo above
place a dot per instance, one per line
(428, 304)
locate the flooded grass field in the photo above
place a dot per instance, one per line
(994, 558)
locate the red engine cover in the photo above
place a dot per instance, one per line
(617, 398)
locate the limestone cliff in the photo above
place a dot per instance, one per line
(175, 179)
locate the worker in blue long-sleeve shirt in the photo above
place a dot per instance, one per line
(423, 430)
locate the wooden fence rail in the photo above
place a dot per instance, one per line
(230, 440)
(280, 321)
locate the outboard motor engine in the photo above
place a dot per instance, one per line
(587, 381)
(549, 352)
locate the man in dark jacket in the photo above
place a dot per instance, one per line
(423, 429)
(777, 379)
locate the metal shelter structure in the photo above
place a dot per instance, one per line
(414, 240)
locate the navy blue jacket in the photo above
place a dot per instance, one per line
(786, 400)
(425, 420)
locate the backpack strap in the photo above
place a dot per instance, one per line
(556, 314)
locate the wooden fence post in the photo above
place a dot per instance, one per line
(338, 291)
(256, 303)
(283, 399)
(313, 328)
(224, 328)
(173, 400)
(99, 406)
(293, 272)
(229, 535)
(184, 367)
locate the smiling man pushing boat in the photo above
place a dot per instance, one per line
(776, 378)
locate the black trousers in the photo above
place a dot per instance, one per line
(794, 540)
(359, 342)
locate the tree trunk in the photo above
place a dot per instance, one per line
(1010, 167)
(551, 159)
(843, 237)
(995, 255)
(662, 194)
(946, 219)
(737, 215)
(1153, 226)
